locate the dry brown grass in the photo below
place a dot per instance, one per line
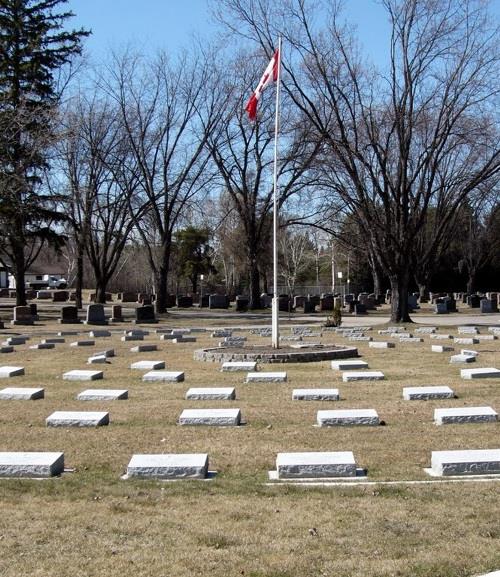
(92, 523)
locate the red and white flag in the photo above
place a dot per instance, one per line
(270, 75)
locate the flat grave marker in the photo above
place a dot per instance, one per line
(315, 465)
(349, 365)
(427, 393)
(77, 419)
(22, 393)
(79, 375)
(466, 462)
(8, 372)
(163, 376)
(31, 464)
(103, 395)
(315, 395)
(482, 373)
(460, 415)
(169, 466)
(247, 366)
(211, 394)
(148, 365)
(211, 417)
(266, 377)
(362, 376)
(348, 417)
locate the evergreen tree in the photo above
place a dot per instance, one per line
(33, 48)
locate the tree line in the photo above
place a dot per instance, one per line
(399, 164)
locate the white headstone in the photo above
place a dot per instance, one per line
(7, 372)
(381, 345)
(349, 365)
(315, 465)
(348, 417)
(20, 393)
(442, 349)
(77, 419)
(239, 366)
(211, 417)
(467, 462)
(267, 377)
(466, 341)
(148, 365)
(22, 464)
(315, 395)
(97, 359)
(427, 393)
(462, 359)
(169, 466)
(363, 376)
(103, 395)
(78, 375)
(211, 394)
(42, 346)
(483, 373)
(465, 415)
(164, 376)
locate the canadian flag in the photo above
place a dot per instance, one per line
(270, 75)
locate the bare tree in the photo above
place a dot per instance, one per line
(101, 181)
(425, 134)
(167, 112)
(243, 153)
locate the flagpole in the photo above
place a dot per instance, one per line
(275, 303)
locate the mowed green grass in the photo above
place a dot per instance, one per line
(90, 522)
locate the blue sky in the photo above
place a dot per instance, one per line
(169, 24)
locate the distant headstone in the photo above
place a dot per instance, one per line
(381, 345)
(145, 314)
(69, 315)
(241, 303)
(486, 306)
(22, 316)
(128, 297)
(116, 314)
(95, 315)
(474, 301)
(239, 366)
(184, 302)
(218, 301)
(60, 296)
(483, 373)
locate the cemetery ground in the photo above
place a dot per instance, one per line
(91, 522)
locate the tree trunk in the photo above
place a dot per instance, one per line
(100, 290)
(376, 275)
(471, 282)
(161, 278)
(79, 278)
(19, 274)
(399, 301)
(254, 283)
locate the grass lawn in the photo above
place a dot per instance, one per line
(89, 522)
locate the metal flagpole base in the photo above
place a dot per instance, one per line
(275, 323)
